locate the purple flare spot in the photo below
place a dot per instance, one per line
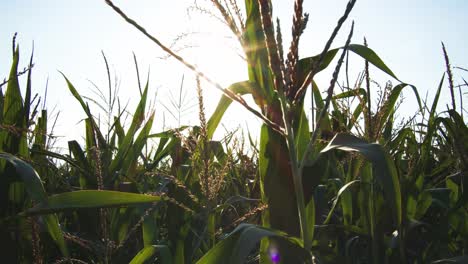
(275, 257)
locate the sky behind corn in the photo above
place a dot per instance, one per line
(70, 36)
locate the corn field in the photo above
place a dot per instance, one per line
(347, 183)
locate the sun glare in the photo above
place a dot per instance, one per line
(217, 53)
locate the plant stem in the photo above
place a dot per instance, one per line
(296, 170)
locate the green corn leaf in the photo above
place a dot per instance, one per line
(147, 255)
(27, 96)
(85, 107)
(35, 189)
(75, 163)
(257, 55)
(326, 123)
(30, 178)
(167, 145)
(2, 103)
(169, 133)
(77, 96)
(458, 130)
(389, 106)
(338, 196)
(356, 113)
(432, 113)
(166, 150)
(119, 130)
(13, 103)
(317, 96)
(426, 146)
(424, 202)
(385, 170)
(347, 202)
(310, 216)
(90, 199)
(305, 65)
(14, 114)
(132, 156)
(403, 135)
(276, 178)
(149, 227)
(238, 245)
(352, 93)
(369, 55)
(127, 142)
(216, 148)
(79, 158)
(40, 132)
(301, 132)
(90, 138)
(455, 260)
(240, 88)
(161, 144)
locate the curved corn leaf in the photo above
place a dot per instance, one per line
(89, 199)
(240, 88)
(147, 255)
(403, 135)
(239, 244)
(79, 158)
(169, 133)
(35, 189)
(455, 260)
(305, 65)
(369, 55)
(164, 150)
(77, 162)
(338, 196)
(167, 144)
(351, 93)
(86, 109)
(393, 97)
(385, 170)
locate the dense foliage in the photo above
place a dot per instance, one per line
(358, 186)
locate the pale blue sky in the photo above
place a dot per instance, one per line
(69, 36)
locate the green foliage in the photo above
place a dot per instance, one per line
(237, 246)
(89, 199)
(393, 194)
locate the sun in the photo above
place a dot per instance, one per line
(218, 54)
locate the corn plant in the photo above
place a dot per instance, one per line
(278, 87)
(21, 185)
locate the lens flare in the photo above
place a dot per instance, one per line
(274, 255)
